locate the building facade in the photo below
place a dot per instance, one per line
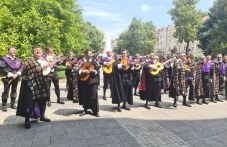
(167, 42)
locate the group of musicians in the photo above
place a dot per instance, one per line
(205, 79)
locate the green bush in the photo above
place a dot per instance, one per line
(61, 74)
(61, 68)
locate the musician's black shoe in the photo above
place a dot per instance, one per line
(126, 108)
(49, 103)
(199, 103)
(119, 109)
(187, 104)
(158, 105)
(60, 102)
(212, 100)
(136, 94)
(104, 98)
(175, 105)
(4, 107)
(75, 100)
(217, 99)
(96, 114)
(27, 125)
(83, 113)
(204, 102)
(147, 107)
(13, 105)
(45, 119)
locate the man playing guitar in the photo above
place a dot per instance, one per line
(52, 76)
(122, 82)
(11, 69)
(107, 72)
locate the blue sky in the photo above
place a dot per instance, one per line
(113, 16)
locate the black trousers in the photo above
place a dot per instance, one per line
(7, 86)
(42, 107)
(107, 80)
(191, 95)
(55, 79)
(68, 77)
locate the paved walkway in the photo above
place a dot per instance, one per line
(204, 125)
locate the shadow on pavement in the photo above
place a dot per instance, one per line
(67, 112)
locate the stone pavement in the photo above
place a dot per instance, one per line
(204, 125)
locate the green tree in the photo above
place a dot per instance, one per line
(139, 38)
(213, 34)
(187, 20)
(54, 23)
(94, 36)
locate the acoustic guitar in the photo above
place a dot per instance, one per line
(125, 61)
(69, 64)
(87, 66)
(159, 67)
(108, 68)
(47, 69)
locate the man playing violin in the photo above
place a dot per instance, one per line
(122, 82)
(53, 75)
(88, 84)
(11, 69)
(150, 88)
(107, 72)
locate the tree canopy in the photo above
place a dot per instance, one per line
(213, 34)
(187, 20)
(139, 38)
(44, 23)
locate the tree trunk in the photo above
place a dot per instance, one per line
(186, 52)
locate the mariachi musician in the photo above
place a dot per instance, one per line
(178, 81)
(33, 91)
(150, 84)
(190, 75)
(218, 77)
(107, 72)
(88, 84)
(52, 76)
(203, 85)
(225, 62)
(69, 65)
(136, 73)
(122, 82)
(72, 78)
(11, 66)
